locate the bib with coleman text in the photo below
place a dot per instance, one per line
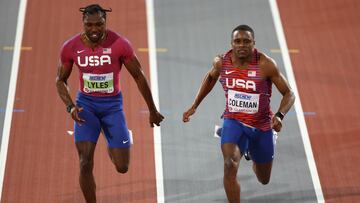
(243, 102)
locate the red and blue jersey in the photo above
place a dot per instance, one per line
(99, 67)
(247, 93)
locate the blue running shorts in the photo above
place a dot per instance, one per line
(259, 143)
(104, 113)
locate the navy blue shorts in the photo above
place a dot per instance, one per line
(104, 113)
(260, 144)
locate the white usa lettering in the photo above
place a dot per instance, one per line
(94, 60)
(240, 83)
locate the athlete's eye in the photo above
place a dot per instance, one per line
(247, 41)
(99, 24)
(237, 41)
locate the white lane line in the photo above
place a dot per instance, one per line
(131, 137)
(298, 107)
(12, 90)
(155, 92)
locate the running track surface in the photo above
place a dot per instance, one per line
(42, 161)
(328, 80)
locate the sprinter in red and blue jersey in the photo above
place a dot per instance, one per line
(99, 54)
(246, 76)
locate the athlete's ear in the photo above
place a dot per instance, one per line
(254, 42)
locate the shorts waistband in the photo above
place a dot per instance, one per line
(114, 98)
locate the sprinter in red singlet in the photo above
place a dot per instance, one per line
(99, 54)
(246, 76)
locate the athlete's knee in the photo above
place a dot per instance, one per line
(230, 168)
(264, 180)
(122, 168)
(86, 165)
(263, 173)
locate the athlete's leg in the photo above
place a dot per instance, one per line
(263, 172)
(261, 147)
(233, 142)
(232, 156)
(121, 158)
(87, 182)
(118, 138)
(86, 136)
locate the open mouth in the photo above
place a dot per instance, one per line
(242, 51)
(94, 35)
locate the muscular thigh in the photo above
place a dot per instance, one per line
(232, 132)
(85, 150)
(120, 155)
(90, 129)
(261, 146)
(231, 151)
(115, 130)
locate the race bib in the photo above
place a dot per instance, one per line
(243, 102)
(98, 82)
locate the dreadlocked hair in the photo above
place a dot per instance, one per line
(94, 8)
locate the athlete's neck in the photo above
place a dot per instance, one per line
(90, 43)
(241, 62)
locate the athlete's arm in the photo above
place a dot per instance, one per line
(134, 68)
(284, 88)
(206, 86)
(63, 91)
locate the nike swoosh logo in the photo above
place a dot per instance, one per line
(79, 52)
(125, 141)
(229, 72)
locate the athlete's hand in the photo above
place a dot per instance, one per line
(276, 124)
(75, 114)
(155, 118)
(188, 113)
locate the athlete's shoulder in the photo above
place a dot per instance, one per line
(218, 60)
(71, 42)
(119, 42)
(265, 60)
(267, 65)
(112, 36)
(227, 54)
(117, 37)
(67, 50)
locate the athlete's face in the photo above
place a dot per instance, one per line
(94, 27)
(242, 43)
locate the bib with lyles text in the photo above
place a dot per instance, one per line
(98, 82)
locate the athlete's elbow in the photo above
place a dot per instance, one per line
(292, 96)
(59, 82)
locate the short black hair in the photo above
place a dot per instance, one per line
(244, 28)
(94, 8)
